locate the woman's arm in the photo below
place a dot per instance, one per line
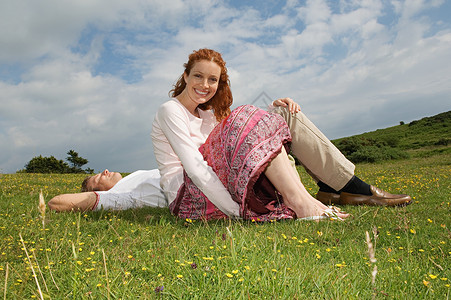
(73, 202)
(174, 124)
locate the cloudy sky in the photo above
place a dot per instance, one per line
(88, 75)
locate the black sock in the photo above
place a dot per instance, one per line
(357, 186)
(325, 188)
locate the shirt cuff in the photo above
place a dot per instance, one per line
(97, 201)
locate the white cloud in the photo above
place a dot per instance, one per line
(45, 27)
(350, 71)
(315, 11)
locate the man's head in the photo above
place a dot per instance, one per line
(100, 182)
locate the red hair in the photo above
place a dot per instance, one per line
(220, 103)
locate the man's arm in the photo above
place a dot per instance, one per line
(73, 202)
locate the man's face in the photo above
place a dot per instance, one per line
(104, 181)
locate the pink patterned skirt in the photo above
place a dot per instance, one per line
(238, 150)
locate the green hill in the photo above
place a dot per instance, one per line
(425, 137)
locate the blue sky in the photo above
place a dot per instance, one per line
(89, 75)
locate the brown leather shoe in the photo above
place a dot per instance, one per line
(378, 198)
(328, 198)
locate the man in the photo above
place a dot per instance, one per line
(108, 190)
(332, 171)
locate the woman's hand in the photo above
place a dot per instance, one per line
(293, 107)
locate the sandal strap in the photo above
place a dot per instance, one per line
(332, 213)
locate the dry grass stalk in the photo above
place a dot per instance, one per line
(232, 246)
(6, 281)
(41, 208)
(372, 257)
(40, 272)
(50, 270)
(31, 266)
(106, 274)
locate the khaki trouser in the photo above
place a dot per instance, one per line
(322, 160)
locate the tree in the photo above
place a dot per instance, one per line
(89, 171)
(76, 161)
(40, 164)
(50, 164)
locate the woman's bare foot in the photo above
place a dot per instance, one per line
(313, 208)
(286, 180)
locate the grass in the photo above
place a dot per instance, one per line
(148, 254)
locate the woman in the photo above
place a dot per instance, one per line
(216, 163)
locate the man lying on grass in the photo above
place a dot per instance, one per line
(108, 190)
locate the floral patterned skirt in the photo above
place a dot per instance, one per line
(238, 150)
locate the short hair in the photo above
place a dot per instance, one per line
(84, 185)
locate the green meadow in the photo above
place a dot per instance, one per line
(148, 254)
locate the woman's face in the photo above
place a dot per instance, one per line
(202, 81)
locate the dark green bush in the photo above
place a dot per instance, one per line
(40, 164)
(350, 145)
(442, 142)
(373, 154)
(391, 140)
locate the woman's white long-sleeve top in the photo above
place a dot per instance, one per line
(177, 136)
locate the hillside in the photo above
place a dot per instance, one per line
(428, 136)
